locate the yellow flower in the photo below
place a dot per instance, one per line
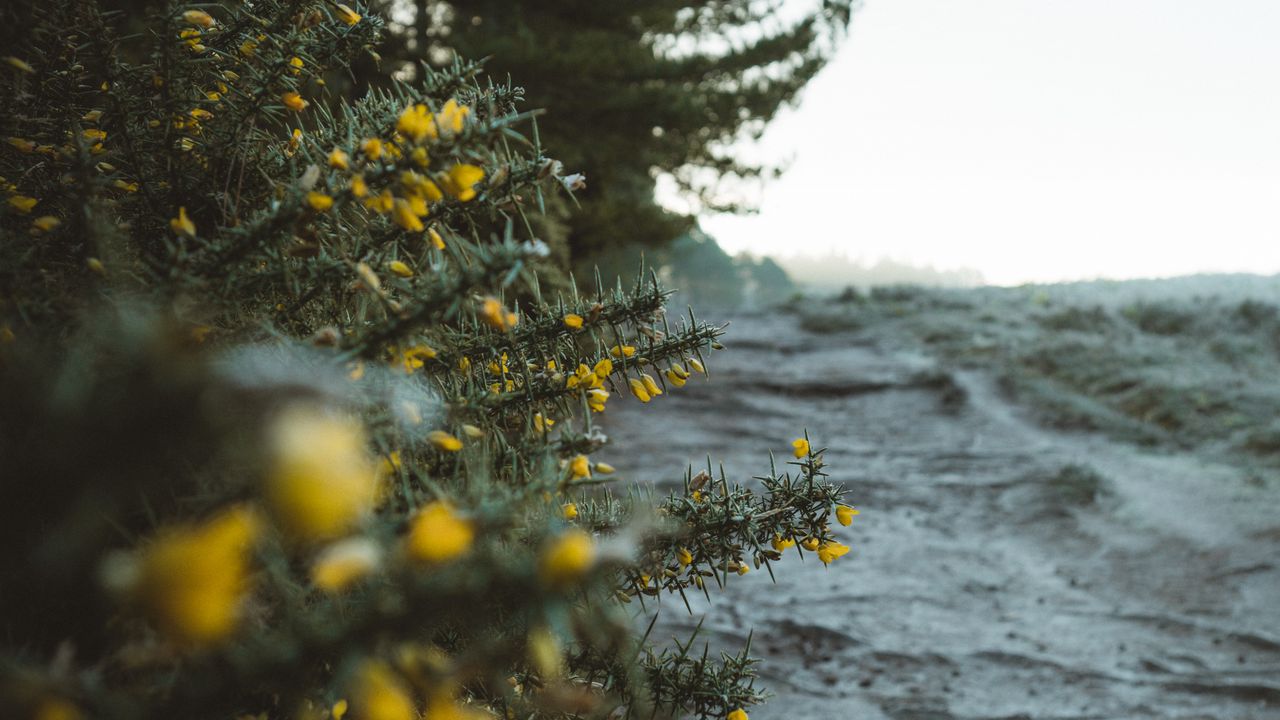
(580, 467)
(472, 431)
(319, 201)
(420, 157)
(321, 481)
(248, 47)
(650, 385)
(605, 468)
(566, 558)
(436, 240)
(348, 16)
(684, 557)
(829, 551)
(46, 223)
(801, 447)
(199, 17)
(460, 181)
(384, 202)
(452, 117)
(192, 579)
(438, 534)
(19, 64)
(402, 214)
(344, 563)
(371, 147)
(398, 268)
(339, 709)
(21, 145)
(95, 265)
(638, 389)
(358, 186)
(743, 568)
(674, 378)
(542, 424)
(845, 514)
(22, 203)
(93, 134)
(697, 366)
(294, 101)
(738, 714)
(443, 441)
(572, 321)
(781, 544)
(493, 313)
(596, 399)
(620, 351)
(603, 368)
(377, 694)
(125, 185)
(295, 65)
(416, 123)
(339, 159)
(544, 652)
(809, 543)
(569, 510)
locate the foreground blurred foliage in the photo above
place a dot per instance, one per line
(290, 427)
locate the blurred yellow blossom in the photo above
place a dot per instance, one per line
(339, 159)
(569, 510)
(198, 17)
(566, 558)
(437, 534)
(377, 694)
(444, 441)
(572, 321)
(580, 467)
(344, 563)
(800, 447)
(319, 201)
(460, 181)
(322, 480)
(191, 580)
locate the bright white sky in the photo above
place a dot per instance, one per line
(1036, 140)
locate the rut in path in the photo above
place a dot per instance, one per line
(999, 570)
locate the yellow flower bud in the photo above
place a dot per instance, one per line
(638, 390)
(339, 159)
(569, 510)
(294, 101)
(347, 15)
(443, 441)
(400, 269)
(319, 201)
(199, 17)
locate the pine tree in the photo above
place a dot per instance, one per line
(634, 89)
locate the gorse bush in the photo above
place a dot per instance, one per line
(289, 426)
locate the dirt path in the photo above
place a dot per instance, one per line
(986, 581)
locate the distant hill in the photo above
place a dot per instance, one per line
(835, 272)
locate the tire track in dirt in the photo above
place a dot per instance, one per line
(989, 579)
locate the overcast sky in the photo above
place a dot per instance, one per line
(1036, 140)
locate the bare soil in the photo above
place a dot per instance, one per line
(1001, 568)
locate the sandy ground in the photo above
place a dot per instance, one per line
(981, 585)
